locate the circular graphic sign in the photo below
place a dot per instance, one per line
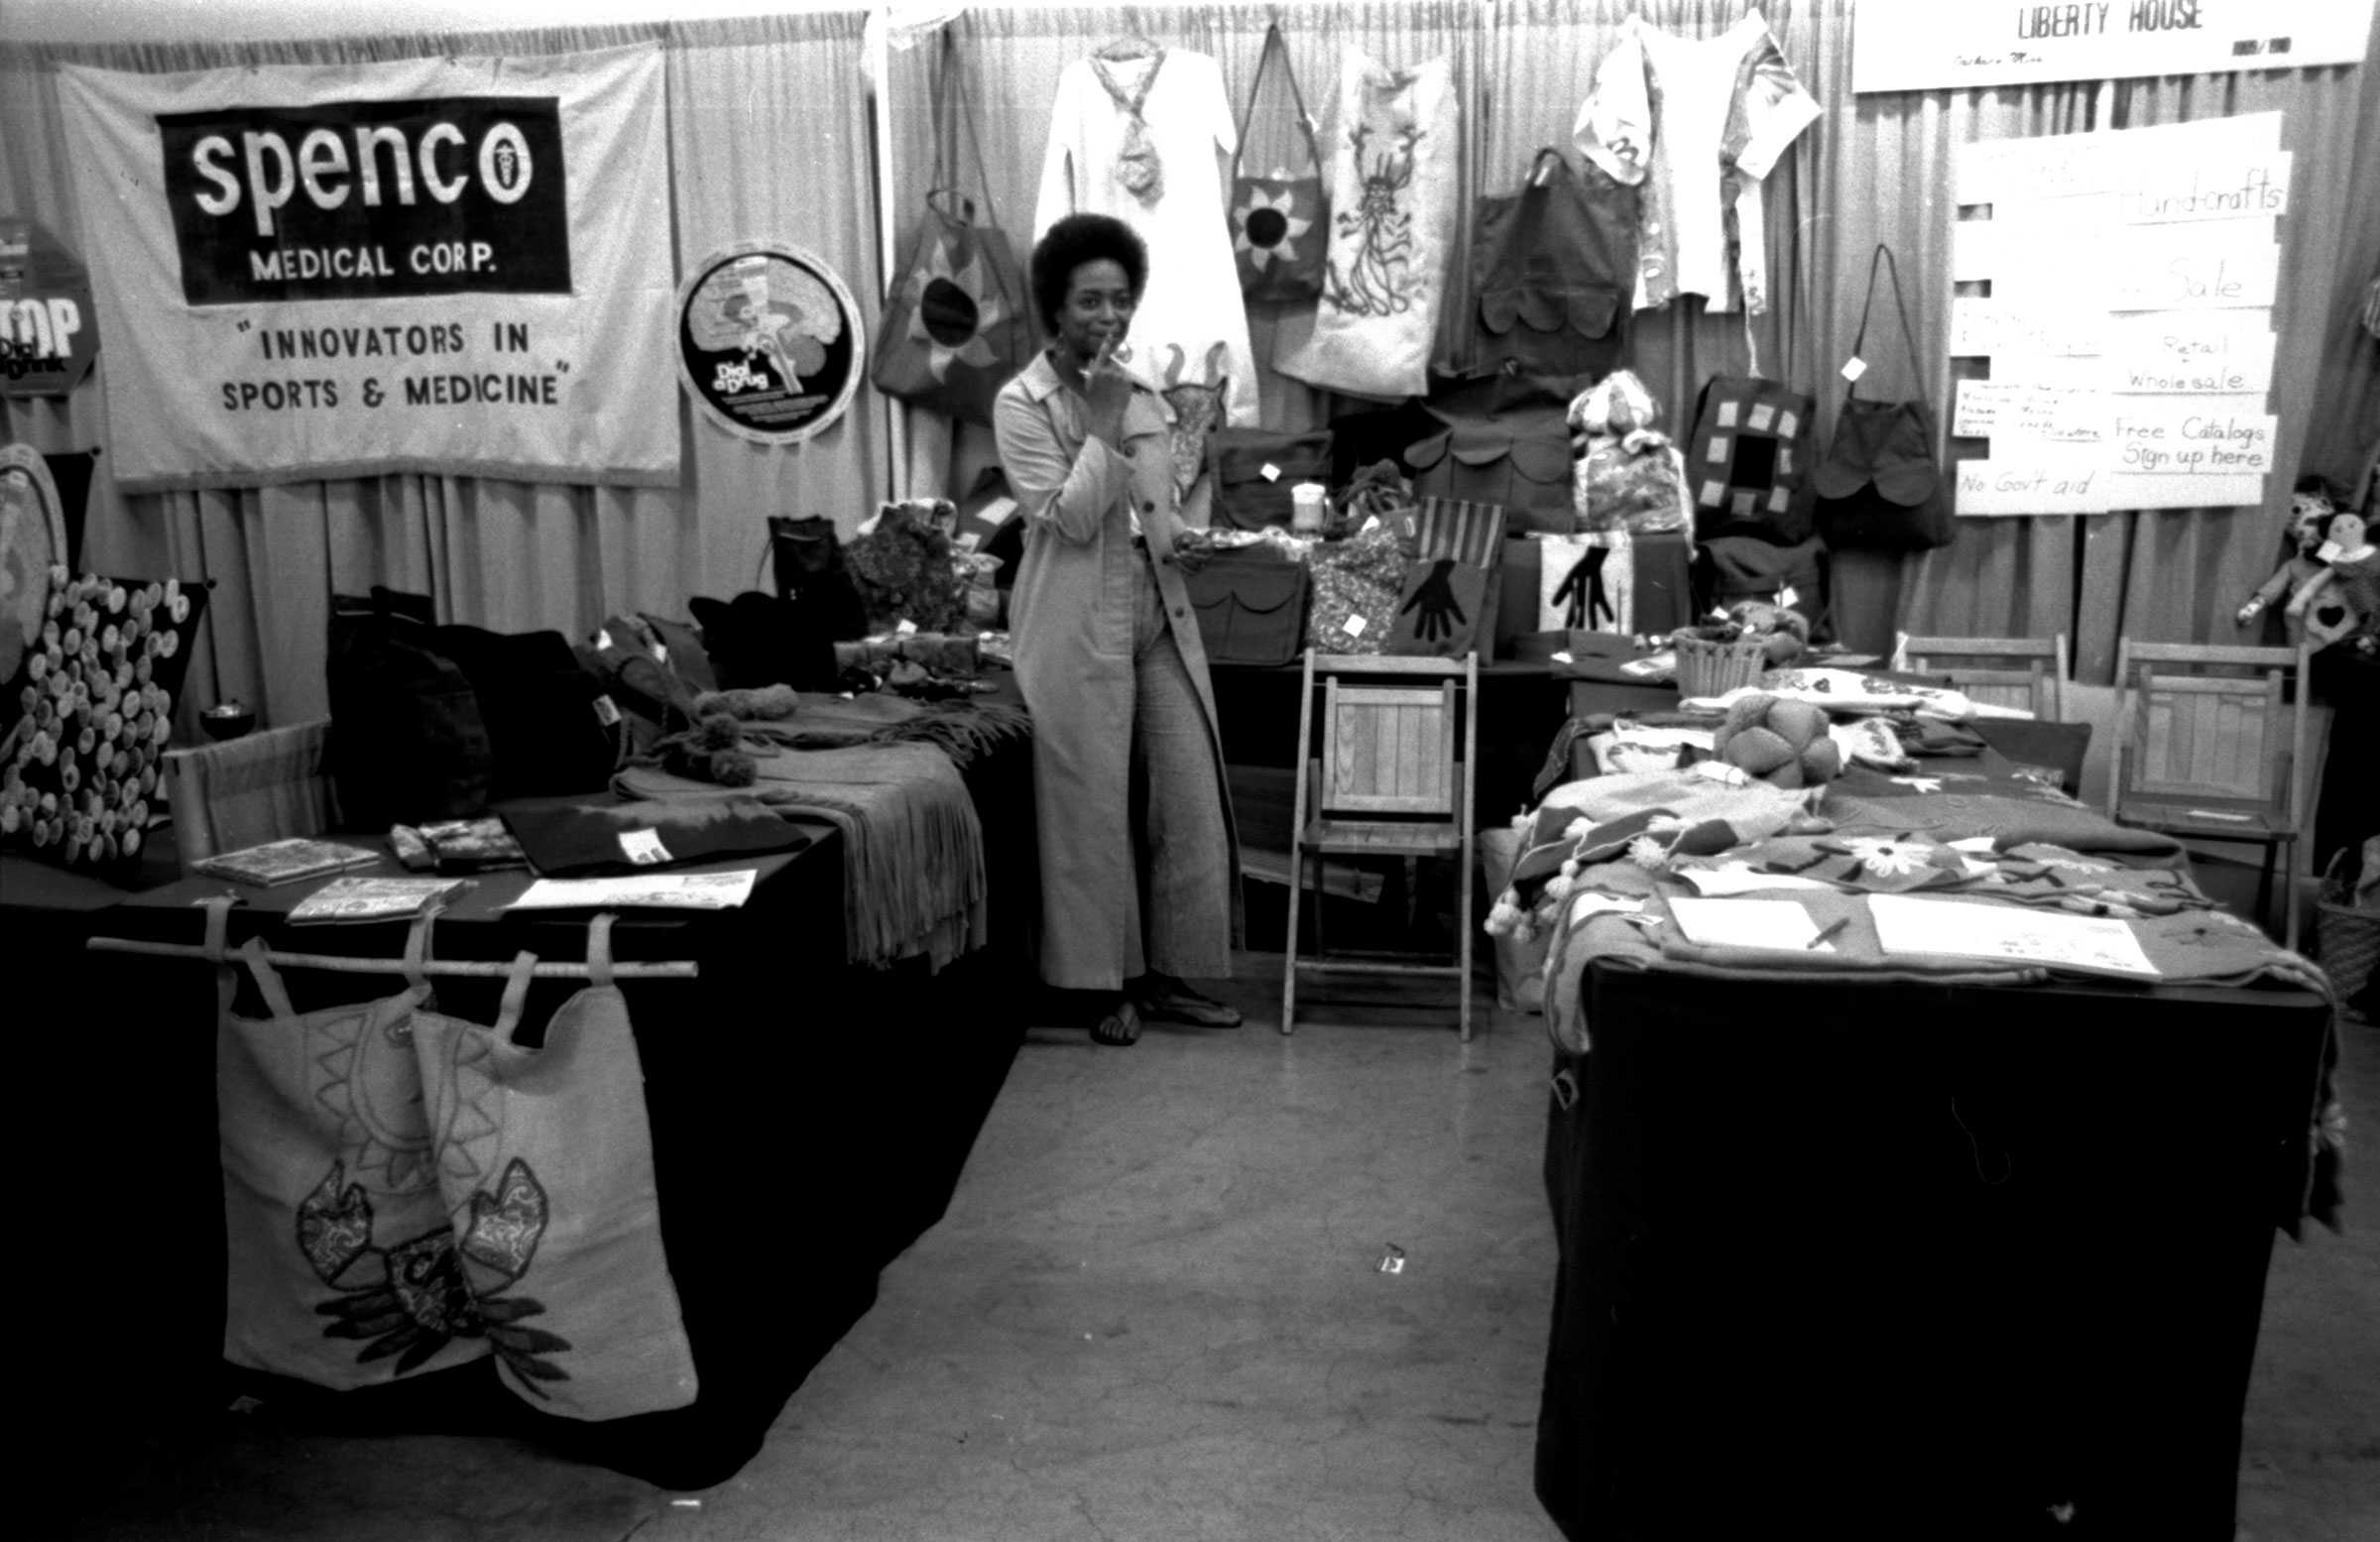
(33, 540)
(769, 341)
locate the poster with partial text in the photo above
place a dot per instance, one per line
(2128, 321)
(456, 266)
(1934, 45)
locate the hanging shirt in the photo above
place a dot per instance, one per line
(1696, 123)
(1192, 300)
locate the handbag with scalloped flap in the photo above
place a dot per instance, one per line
(1877, 481)
(1553, 262)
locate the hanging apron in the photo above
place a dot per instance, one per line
(1394, 164)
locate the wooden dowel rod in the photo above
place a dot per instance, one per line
(445, 968)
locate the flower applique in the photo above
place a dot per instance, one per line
(1268, 225)
(1886, 858)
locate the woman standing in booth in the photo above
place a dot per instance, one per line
(1139, 860)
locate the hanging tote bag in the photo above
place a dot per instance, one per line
(545, 1167)
(1875, 484)
(1553, 263)
(1749, 460)
(1280, 223)
(340, 1270)
(1396, 169)
(959, 324)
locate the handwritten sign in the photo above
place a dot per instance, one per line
(1988, 487)
(2128, 322)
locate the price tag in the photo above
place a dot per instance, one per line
(1787, 596)
(1270, 472)
(1354, 626)
(642, 847)
(607, 712)
(1371, 522)
(603, 639)
(2330, 552)
(1854, 367)
(907, 628)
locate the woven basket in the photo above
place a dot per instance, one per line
(2346, 938)
(1708, 669)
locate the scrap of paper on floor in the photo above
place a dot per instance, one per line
(1776, 924)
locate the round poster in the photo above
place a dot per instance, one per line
(32, 539)
(769, 341)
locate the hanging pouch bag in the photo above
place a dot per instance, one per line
(1876, 483)
(958, 324)
(1282, 223)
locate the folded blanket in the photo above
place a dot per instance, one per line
(576, 840)
(964, 730)
(912, 850)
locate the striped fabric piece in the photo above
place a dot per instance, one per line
(1471, 533)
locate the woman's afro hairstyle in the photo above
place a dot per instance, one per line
(1077, 239)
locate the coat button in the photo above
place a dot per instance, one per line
(1148, 506)
(1179, 612)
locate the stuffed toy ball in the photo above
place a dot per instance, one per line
(1783, 742)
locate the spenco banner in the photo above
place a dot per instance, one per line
(456, 266)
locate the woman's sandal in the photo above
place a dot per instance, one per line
(1120, 1027)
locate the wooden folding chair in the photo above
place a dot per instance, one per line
(2024, 672)
(2209, 746)
(1386, 779)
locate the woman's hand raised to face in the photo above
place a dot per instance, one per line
(1107, 389)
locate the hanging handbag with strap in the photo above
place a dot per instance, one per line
(958, 323)
(1877, 481)
(1280, 223)
(1552, 263)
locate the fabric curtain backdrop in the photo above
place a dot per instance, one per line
(1012, 55)
(769, 140)
(1872, 168)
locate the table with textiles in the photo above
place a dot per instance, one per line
(1905, 1247)
(808, 1119)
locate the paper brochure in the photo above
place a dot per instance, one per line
(2007, 933)
(1776, 924)
(670, 891)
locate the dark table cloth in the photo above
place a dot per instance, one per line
(809, 1122)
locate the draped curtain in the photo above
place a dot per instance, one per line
(767, 140)
(770, 137)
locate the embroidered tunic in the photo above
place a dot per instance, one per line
(1696, 123)
(1193, 297)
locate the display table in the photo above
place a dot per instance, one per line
(1918, 1260)
(1913, 1248)
(809, 1121)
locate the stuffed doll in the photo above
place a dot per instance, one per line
(2308, 513)
(2342, 601)
(1626, 476)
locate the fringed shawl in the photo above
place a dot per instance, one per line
(913, 851)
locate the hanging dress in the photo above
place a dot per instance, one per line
(1696, 124)
(1136, 138)
(1394, 164)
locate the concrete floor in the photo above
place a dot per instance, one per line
(1155, 1310)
